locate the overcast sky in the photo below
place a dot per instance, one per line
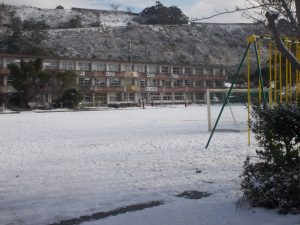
(192, 8)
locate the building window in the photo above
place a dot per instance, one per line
(219, 96)
(218, 72)
(84, 66)
(188, 96)
(114, 67)
(155, 97)
(153, 83)
(209, 71)
(85, 81)
(165, 69)
(129, 97)
(199, 96)
(176, 70)
(167, 97)
(209, 83)
(50, 65)
(140, 68)
(153, 69)
(81, 81)
(199, 83)
(115, 97)
(142, 82)
(178, 83)
(129, 82)
(114, 82)
(100, 82)
(189, 83)
(100, 98)
(67, 66)
(198, 71)
(166, 83)
(218, 84)
(99, 67)
(127, 67)
(179, 96)
(88, 98)
(188, 71)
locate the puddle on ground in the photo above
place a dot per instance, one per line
(193, 194)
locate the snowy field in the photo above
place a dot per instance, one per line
(64, 165)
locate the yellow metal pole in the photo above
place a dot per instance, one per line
(259, 83)
(280, 77)
(270, 74)
(297, 86)
(249, 95)
(286, 77)
(297, 72)
(275, 76)
(290, 78)
(297, 75)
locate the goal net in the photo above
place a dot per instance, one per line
(234, 116)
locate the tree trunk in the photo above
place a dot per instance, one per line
(271, 17)
(297, 4)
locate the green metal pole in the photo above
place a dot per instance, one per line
(260, 75)
(227, 96)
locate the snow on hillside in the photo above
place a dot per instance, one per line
(105, 34)
(57, 17)
(214, 44)
(63, 165)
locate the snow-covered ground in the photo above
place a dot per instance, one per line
(57, 166)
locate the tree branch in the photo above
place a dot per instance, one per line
(271, 17)
(290, 16)
(233, 11)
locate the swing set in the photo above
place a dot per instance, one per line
(282, 83)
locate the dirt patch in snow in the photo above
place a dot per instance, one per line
(115, 212)
(193, 194)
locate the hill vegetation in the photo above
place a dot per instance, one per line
(159, 34)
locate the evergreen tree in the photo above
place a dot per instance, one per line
(71, 98)
(273, 181)
(28, 79)
(159, 14)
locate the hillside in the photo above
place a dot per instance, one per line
(106, 34)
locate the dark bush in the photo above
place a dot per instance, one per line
(160, 14)
(74, 23)
(273, 181)
(71, 98)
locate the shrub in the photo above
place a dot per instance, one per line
(71, 98)
(74, 22)
(273, 181)
(159, 14)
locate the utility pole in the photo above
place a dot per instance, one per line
(130, 54)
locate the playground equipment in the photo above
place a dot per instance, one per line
(232, 120)
(282, 83)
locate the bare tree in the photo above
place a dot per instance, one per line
(129, 9)
(115, 7)
(271, 12)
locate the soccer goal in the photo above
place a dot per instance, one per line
(234, 117)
